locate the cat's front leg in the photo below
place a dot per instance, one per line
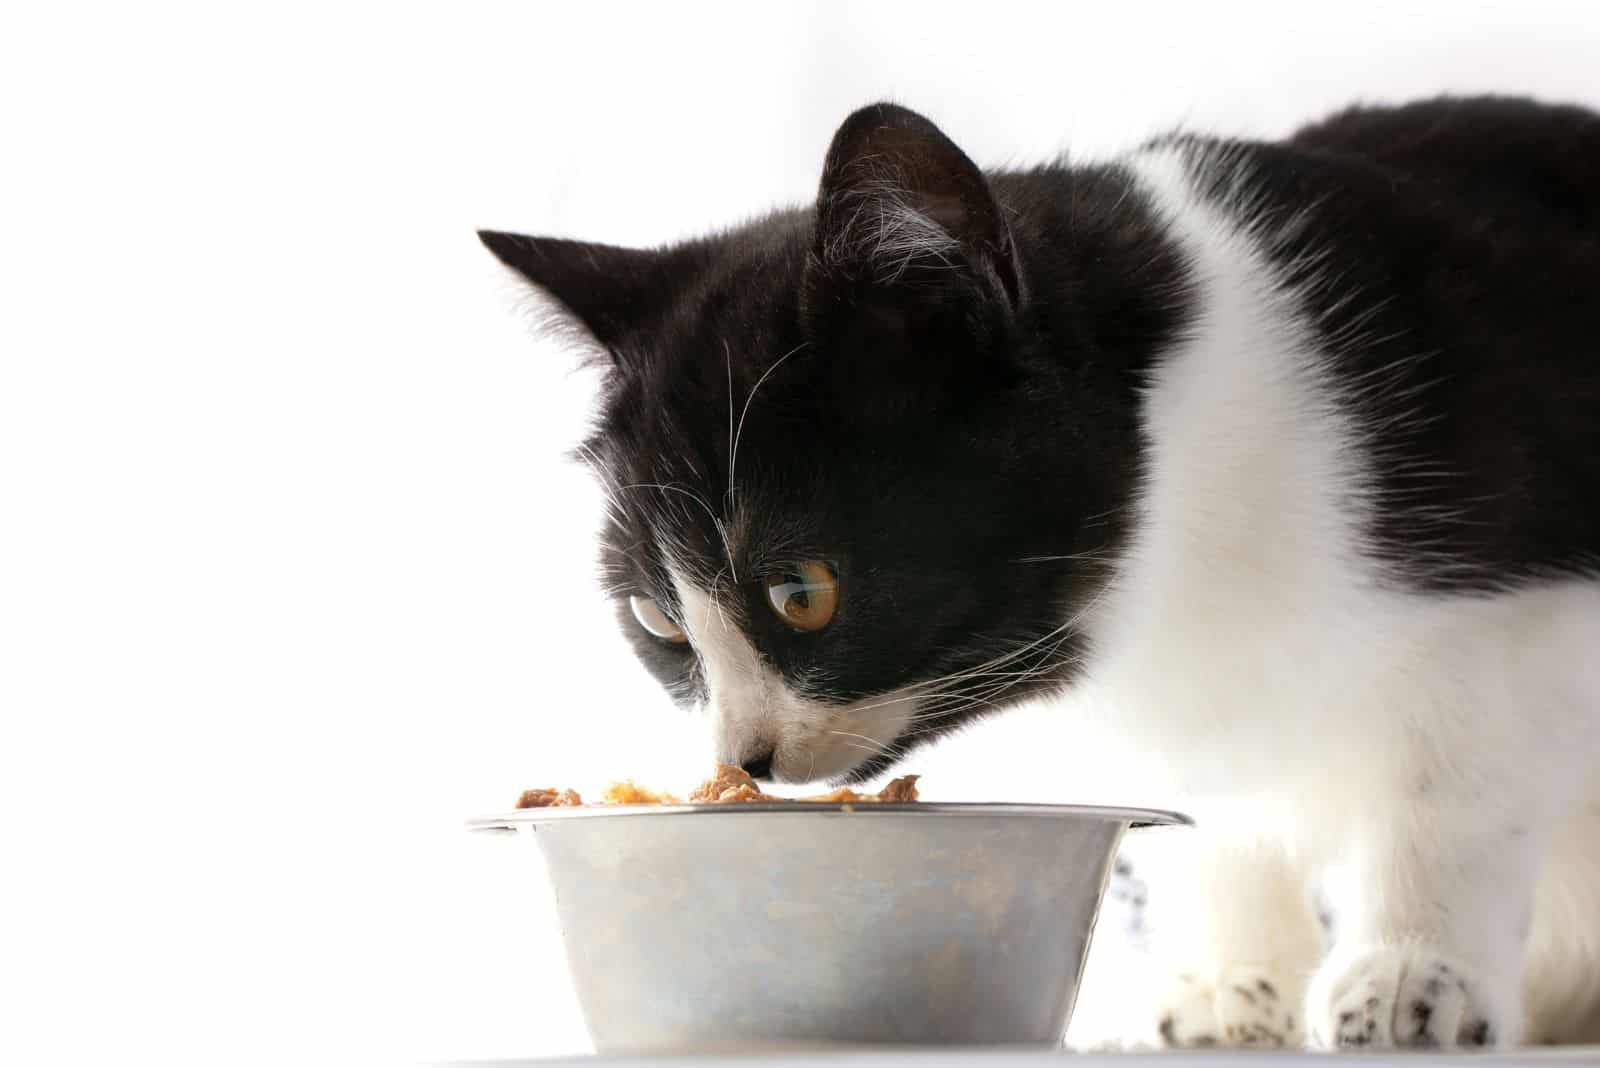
(1237, 933)
(1432, 917)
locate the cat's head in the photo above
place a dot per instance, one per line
(858, 483)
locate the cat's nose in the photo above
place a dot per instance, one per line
(758, 767)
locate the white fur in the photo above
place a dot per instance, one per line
(753, 711)
(1435, 752)
(885, 229)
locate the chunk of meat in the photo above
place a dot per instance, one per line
(627, 792)
(548, 798)
(844, 793)
(902, 789)
(728, 784)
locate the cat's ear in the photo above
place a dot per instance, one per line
(902, 211)
(610, 290)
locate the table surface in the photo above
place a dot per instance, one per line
(980, 1058)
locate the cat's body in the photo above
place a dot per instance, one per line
(1279, 462)
(1305, 560)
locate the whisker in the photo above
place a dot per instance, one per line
(727, 360)
(1004, 658)
(1040, 664)
(1063, 556)
(875, 747)
(716, 600)
(851, 734)
(733, 451)
(605, 479)
(716, 522)
(896, 700)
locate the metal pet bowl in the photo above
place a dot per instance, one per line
(692, 928)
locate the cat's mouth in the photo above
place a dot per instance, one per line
(804, 741)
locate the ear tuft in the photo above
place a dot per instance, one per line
(880, 228)
(901, 204)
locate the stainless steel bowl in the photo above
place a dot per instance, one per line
(698, 927)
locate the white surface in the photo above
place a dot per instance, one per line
(1045, 1059)
(292, 580)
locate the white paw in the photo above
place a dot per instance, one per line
(1408, 997)
(1243, 1006)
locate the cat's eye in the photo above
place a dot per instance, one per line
(654, 620)
(805, 596)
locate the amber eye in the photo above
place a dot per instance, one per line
(806, 596)
(654, 620)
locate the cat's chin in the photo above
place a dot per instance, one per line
(831, 769)
(865, 771)
(842, 773)
(871, 768)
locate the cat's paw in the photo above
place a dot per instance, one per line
(1407, 997)
(1243, 1006)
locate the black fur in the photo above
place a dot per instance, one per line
(1451, 257)
(941, 423)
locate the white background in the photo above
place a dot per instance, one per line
(293, 578)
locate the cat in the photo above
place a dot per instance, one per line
(1275, 465)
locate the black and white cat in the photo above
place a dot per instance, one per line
(1277, 463)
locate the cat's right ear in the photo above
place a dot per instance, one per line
(905, 217)
(912, 267)
(611, 291)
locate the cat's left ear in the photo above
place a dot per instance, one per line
(611, 291)
(903, 214)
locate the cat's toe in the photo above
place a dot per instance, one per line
(1243, 1006)
(1403, 997)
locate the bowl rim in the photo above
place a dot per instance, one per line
(531, 818)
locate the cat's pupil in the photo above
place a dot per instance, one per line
(804, 598)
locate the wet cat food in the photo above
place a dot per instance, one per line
(727, 785)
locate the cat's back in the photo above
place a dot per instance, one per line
(1509, 155)
(1374, 434)
(1444, 256)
